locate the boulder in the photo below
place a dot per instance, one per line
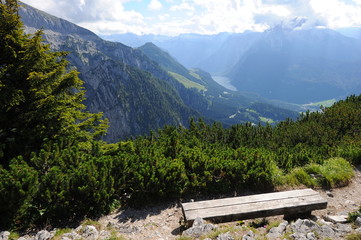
(225, 236)
(343, 229)
(327, 231)
(304, 226)
(336, 219)
(71, 236)
(65, 238)
(90, 233)
(277, 232)
(311, 236)
(198, 228)
(104, 235)
(249, 236)
(358, 222)
(4, 235)
(44, 235)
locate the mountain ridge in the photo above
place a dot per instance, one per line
(287, 62)
(134, 90)
(112, 72)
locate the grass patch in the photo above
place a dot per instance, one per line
(337, 171)
(96, 224)
(334, 172)
(266, 120)
(13, 235)
(272, 225)
(186, 82)
(115, 237)
(195, 75)
(184, 238)
(326, 103)
(298, 176)
(352, 216)
(223, 229)
(354, 236)
(62, 231)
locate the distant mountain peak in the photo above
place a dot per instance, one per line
(296, 23)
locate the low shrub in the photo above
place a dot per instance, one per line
(298, 176)
(337, 171)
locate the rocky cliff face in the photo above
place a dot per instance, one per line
(132, 91)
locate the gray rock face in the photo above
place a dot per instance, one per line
(90, 233)
(198, 228)
(22, 238)
(65, 238)
(304, 229)
(343, 229)
(277, 232)
(304, 226)
(358, 221)
(72, 236)
(4, 235)
(44, 235)
(104, 235)
(311, 236)
(225, 236)
(249, 236)
(327, 231)
(120, 81)
(336, 219)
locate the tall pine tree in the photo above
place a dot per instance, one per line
(40, 97)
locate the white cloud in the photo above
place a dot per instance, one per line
(155, 5)
(184, 6)
(174, 17)
(337, 13)
(163, 17)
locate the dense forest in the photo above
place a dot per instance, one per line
(54, 171)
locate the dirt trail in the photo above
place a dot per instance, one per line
(163, 222)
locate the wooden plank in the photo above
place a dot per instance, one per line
(261, 209)
(247, 199)
(253, 206)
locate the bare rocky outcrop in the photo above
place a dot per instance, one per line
(199, 228)
(4, 235)
(277, 232)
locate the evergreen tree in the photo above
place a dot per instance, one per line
(40, 97)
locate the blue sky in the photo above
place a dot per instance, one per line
(174, 17)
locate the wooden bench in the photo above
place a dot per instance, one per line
(255, 206)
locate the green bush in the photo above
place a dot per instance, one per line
(351, 152)
(18, 184)
(337, 171)
(298, 176)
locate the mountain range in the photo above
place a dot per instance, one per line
(292, 64)
(143, 89)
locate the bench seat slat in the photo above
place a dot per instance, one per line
(247, 199)
(253, 206)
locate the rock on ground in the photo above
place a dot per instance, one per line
(199, 228)
(277, 232)
(90, 233)
(4, 235)
(225, 236)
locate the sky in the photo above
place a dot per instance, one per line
(174, 17)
